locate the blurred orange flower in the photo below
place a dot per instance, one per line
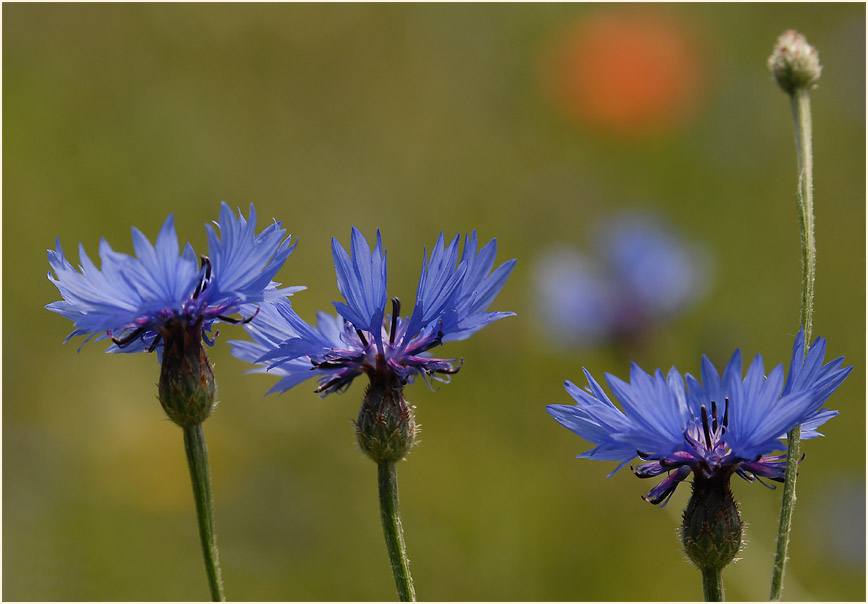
(629, 71)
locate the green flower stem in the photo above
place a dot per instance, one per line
(712, 585)
(200, 475)
(387, 480)
(801, 106)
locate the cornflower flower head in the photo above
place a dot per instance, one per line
(132, 299)
(166, 300)
(639, 273)
(716, 427)
(712, 429)
(451, 304)
(451, 301)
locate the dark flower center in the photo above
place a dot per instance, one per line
(192, 313)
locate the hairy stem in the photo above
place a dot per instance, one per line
(712, 585)
(801, 106)
(200, 475)
(391, 516)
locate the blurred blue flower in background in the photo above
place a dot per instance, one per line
(451, 302)
(719, 427)
(641, 273)
(131, 299)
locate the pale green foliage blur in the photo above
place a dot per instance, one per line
(413, 119)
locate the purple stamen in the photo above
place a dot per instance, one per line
(203, 282)
(714, 416)
(705, 426)
(692, 441)
(242, 321)
(154, 344)
(127, 339)
(450, 370)
(396, 310)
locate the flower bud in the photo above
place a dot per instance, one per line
(386, 428)
(187, 390)
(794, 63)
(711, 530)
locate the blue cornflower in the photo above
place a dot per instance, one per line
(720, 426)
(451, 302)
(640, 272)
(168, 301)
(132, 300)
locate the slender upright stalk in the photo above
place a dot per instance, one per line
(200, 475)
(801, 106)
(390, 514)
(712, 585)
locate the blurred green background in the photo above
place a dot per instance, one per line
(412, 119)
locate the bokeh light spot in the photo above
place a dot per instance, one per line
(630, 72)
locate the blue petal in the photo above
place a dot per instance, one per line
(596, 429)
(362, 282)
(438, 286)
(244, 264)
(139, 294)
(814, 421)
(654, 429)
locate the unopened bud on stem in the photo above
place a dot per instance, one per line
(795, 63)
